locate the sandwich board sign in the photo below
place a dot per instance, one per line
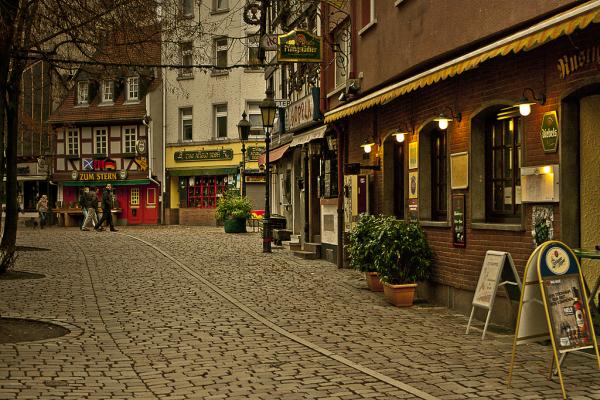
(554, 305)
(498, 270)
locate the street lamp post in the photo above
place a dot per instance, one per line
(268, 108)
(244, 132)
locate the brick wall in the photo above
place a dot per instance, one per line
(499, 80)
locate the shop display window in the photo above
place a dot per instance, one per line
(203, 191)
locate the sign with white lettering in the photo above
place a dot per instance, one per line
(549, 132)
(203, 155)
(303, 112)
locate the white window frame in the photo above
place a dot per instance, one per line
(345, 47)
(187, 58)
(83, 92)
(101, 141)
(253, 109)
(72, 142)
(220, 114)
(133, 88)
(252, 45)
(184, 118)
(372, 18)
(129, 139)
(216, 8)
(108, 91)
(220, 48)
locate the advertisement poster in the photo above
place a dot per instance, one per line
(458, 220)
(413, 185)
(413, 210)
(413, 155)
(488, 279)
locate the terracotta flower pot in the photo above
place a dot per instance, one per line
(400, 295)
(373, 281)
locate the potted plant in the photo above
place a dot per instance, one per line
(402, 259)
(362, 248)
(233, 210)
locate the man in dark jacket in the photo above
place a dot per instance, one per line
(106, 207)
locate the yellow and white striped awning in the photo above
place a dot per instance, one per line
(562, 24)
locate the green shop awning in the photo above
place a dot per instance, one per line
(204, 171)
(104, 183)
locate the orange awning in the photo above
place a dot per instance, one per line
(562, 24)
(274, 155)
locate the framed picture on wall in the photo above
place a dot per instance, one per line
(413, 155)
(413, 185)
(459, 170)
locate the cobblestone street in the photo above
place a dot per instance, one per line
(194, 313)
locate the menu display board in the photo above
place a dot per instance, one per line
(459, 237)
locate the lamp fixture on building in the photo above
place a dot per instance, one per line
(525, 104)
(367, 146)
(268, 109)
(400, 136)
(244, 131)
(443, 119)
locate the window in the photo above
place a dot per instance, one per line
(342, 54)
(133, 83)
(73, 142)
(203, 191)
(439, 188)
(187, 58)
(252, 44)
(220, 48)
(129, 139)
(255, 118)
(329, 176)
(220, 5)
(221, 121)
(185, 116)
(108, 91)
(100, 141)
(502, 169)
(134, 197)
(367, 14)
(83, 88)
(187, 8)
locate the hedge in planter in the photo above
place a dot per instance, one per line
(361, 248)
(233, 210)
(403, 258)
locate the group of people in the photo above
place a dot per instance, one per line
(89, 204)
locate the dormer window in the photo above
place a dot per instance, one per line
(108, 91)
(83, 92)
(133, 85)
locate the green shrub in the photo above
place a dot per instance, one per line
(362, 244)
(233, 206)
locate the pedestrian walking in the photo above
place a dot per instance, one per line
(82, 204)
(107, 200)
(91, 205)
(42, 208)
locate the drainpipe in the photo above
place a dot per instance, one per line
(149, 134)
(164, 145)
(340, 200)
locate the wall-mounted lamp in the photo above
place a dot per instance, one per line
(367, 146)
(400, 136)
(443, 119)
(525, 104)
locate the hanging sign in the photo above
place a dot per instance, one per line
(253, 152)
(459, 238)
(204, 155)
(550, 132)
(554, 305)
(498, 270)
(300, 46)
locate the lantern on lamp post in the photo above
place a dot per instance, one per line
(244, 131)
(268, 109)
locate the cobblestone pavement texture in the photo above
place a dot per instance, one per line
(147, 326)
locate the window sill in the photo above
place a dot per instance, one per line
(219, 72)
(254, 70)
(185, 77)
(131, 102)
(435, 224)
(82, 105)
(217, 12)
(498, 226)
(100, 156)
(106, 104)
(367, 27)
(337, 90)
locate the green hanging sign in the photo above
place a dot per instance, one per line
(299, 46)
(550, 132)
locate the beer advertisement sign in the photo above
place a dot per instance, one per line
(550, 132)
(300, 45)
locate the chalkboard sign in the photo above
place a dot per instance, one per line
(459, 237)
